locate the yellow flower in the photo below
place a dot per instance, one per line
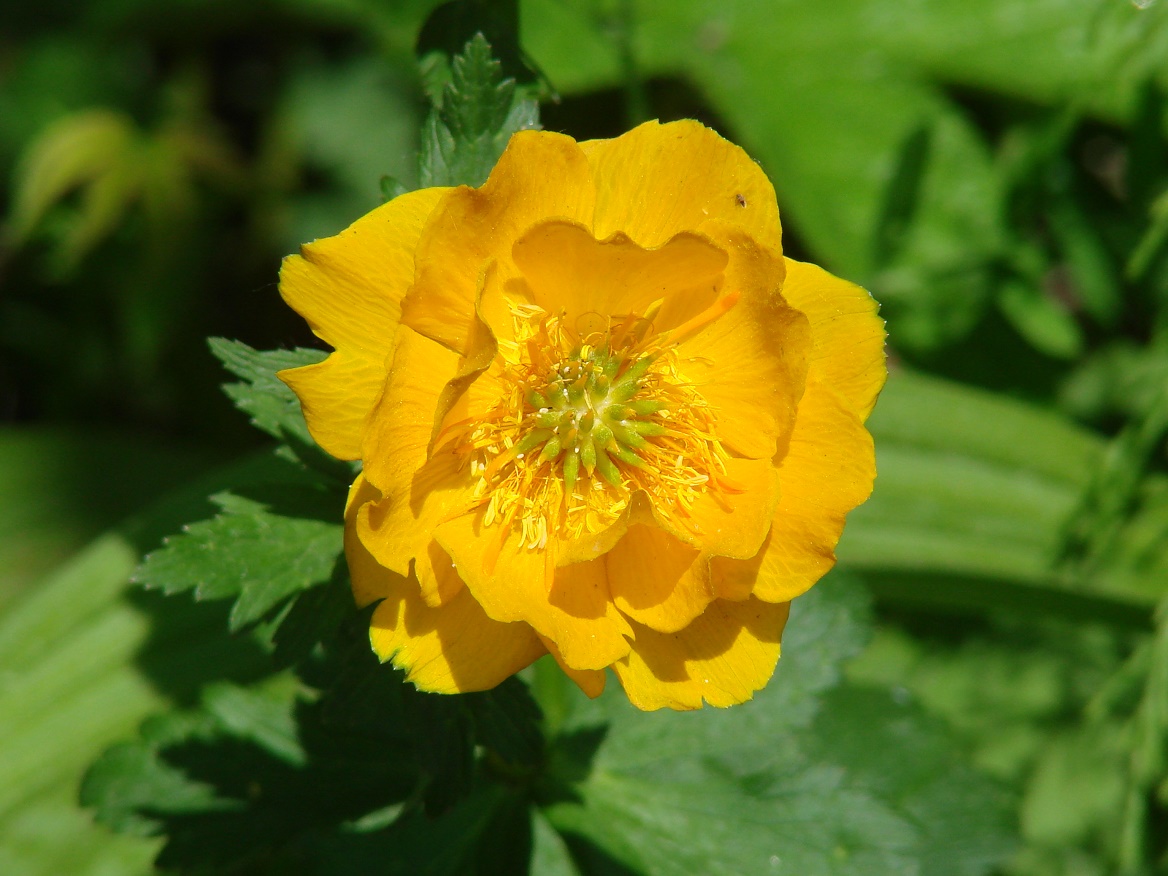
(600, 415)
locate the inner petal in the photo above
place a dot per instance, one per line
(569, 272)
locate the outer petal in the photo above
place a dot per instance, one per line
(827, 472)
(847, 336)
(750, 363)
(349, 288)
(452, 649)
(723, 657)
(539, 176)
(657, 580)
(570, 606)
(659, 180)
(419, 492)
(569, 271)
(590, 681)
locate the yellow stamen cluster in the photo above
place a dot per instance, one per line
(594, 413)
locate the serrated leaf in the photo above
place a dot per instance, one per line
(486, 834)
(265, 717)
(506, 720)
(272, 406)
(480, 110)
(131, 777)
(286, 778)
(251, 552)
(452, 24)
(478, 98)
(444, 745)
(315, 616)
(769, 786)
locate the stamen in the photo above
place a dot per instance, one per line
(591, 419)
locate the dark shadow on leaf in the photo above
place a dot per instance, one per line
(593, 860)
(305, 501)
(189, 646)
(569, 763)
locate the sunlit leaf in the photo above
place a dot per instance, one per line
(480, 110)
(257, 552)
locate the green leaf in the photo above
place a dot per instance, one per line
(1147, 164)
(1151, 244)
(1094, 278)
(315, 616)
(391, 187)
(979, 488)
(1042, 321)
(480, 110)
(265, 717)
(86, 657)
(267, 773)
(50, 835)
(901, 197)
(444, 746)
(94, 150)
(549, 853)
(962, 819)
(272, 406)
(351, 122)
(487, 834)
(506, 720)
(1077, 786)
(452, 24)
(130, 777)
(785, 783)
(258, 551)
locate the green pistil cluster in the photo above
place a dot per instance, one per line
(588, 415)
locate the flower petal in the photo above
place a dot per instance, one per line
(540, 175)
(733, 525)
(397, 529)
(419, 492)
(723, 657)
(750, 363)
(349, 288)
(401, 424)
(659, 180)
(452, 649)
(847, 335)
(591, 281)
(828, 471)
(657, 580)
(590, 681)
(336, 396)
(367, 587)
(574, 610)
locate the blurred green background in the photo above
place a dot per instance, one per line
(996, 173)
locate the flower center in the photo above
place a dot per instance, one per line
(591, 409)
(592, 414)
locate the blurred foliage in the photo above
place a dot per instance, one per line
(997, 174)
